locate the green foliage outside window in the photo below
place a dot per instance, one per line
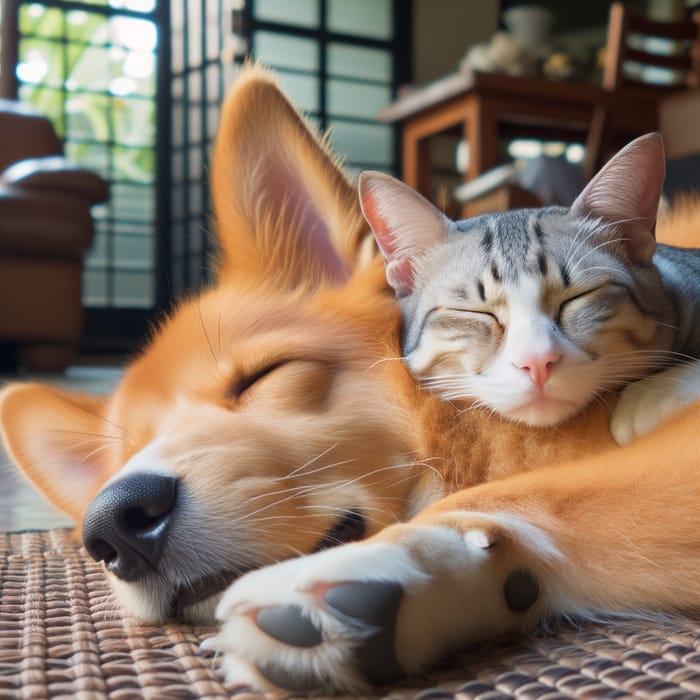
(93, 75)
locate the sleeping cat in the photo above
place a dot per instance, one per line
(535, 313)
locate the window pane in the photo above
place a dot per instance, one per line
(134, 251)
(356, 99)
(195, 160)
(371, 18)
(213, 35)
(138, 68)
(193, 24)
(87, 117)
(87, 27)
(133, 288)
(37, 20)
(286, 51)
(132, 202)
(358, 62)
(370, 144)
(98, 255)
(90, 68)
(40, 62)
(95, 288)
(135, 5)
(134, 34)
(303, 13)
(90, 155)
(302, 90)
(134, 123)
(177, 41)
(136, 164)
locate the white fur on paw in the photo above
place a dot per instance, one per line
(249, 653)
(646, 404)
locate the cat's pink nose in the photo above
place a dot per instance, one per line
(538, 366)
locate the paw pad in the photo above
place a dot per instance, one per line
(521, 590)
(286, 624)
(375, 605)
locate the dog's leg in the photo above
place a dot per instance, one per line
(619, 532)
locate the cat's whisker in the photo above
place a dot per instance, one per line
(617, 222)
(605, 268)
(602, 398)
(666, 325)
(661, 388)
(387, 359)
(578, 241)
(604, 244)
(657, 353)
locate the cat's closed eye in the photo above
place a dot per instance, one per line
(598, 303)
(460, 322)
(602, 311)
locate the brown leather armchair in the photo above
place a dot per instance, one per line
(45, 231)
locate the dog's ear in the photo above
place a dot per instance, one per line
(60, 442)
(284, 209)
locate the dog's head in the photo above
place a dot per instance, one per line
(261, 421)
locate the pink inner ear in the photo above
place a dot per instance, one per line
(399, 274)
(381, 229)
(304, 222)
(399, 270)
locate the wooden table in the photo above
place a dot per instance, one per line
(482, 107)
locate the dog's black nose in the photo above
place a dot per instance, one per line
(127, 524)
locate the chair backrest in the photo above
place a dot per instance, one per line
(679, 123)
(648, 46)
(673, 47)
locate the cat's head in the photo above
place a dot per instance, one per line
(530, 313)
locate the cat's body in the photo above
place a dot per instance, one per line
(679, 269)
(535, 313)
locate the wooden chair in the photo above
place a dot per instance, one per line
(631, 39)
(679, 123)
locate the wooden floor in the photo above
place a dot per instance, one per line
(21, 508)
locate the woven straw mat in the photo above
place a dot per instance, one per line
(62, 636)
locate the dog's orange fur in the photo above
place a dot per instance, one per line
(627, 519)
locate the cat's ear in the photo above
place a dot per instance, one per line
(627, 191)
(405, 225)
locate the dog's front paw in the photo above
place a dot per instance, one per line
(323, 622)
(372, 612)
(645, 404)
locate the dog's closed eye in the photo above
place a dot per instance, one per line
(297, 385)
(243, 384)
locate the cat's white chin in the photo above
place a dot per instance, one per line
(543, 411)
